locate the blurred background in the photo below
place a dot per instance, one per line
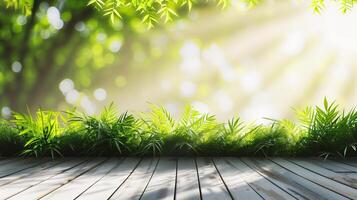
(255, 63)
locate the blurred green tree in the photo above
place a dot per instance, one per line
(57, 39)
(45, 41)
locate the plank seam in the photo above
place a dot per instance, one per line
(117, 164)
(321, 174)
(176, 179)
(94, 166)
(311, 180)
(26, 175)
(244, 180)
(48, 178)
(198, 178)
(32, 166)
(142, 194)
(132, 171)
(252, 168)
(219, 173)
(352, 165)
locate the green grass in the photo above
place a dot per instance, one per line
(319, 131)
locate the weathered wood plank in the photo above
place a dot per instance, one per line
(211, 184)
(135, 185)
(74, 188)
(19, 165)
(4, 161)
(35, 178)
(162, 183)
(335, 166)
(106, 186)
(291, 183)
(263, 187)
(58, 180)
(29, 172)
(187, 187)
(318, 179)
(232, 176)
(350, 161)
(349, 179)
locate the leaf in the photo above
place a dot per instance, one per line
(189, 4)
(222, 3)
(111, 9)
(251, 3)
(98, 3)
(317, 5)
(346, 5)
(326, 104)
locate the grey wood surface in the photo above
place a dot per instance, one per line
(136, 184)
(330, 184)
(162, 183)
(235, 180)
(58, 180)
(212, 186)
(291, 183)
(262, 186)
(105, 187)
(187, 186)
(182, 178)
(349, 179)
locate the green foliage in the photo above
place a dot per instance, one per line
(196, 127)
(331, 132)
(24, 6)
(11, 142)
(266, 141)
(107, 134)
(345, 5)
(322, 131)
(151, 11)
(42, 132)
(317, 5)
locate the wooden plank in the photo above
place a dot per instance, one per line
(211, 184)
(108, 184)
(4, 161)
(135, 185)
(19, 165)
(349, 161)
(162, 183)
(33, 179)
(57, 181)
(29, 172)
(235, 183)
(335, 166)
(76, 187)
(349, 179)
(258, 183)
(291, 183)
(318, 179)
(187, 186)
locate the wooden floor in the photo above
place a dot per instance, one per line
(177, 178)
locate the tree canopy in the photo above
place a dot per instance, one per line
(152, 11)
(46, 42)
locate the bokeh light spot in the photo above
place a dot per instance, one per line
(66, 85)
(5, 112)
(100, 94)
(16, 67)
